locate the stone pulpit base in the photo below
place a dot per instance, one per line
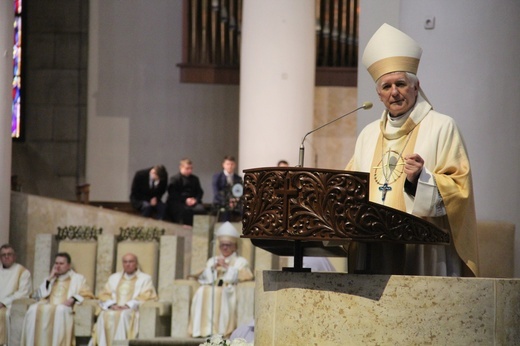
(347, 309)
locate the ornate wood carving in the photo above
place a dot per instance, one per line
(140, 233)
(325, 205)
(78, 233)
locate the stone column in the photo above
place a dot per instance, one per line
(6, 77)
(277, 70)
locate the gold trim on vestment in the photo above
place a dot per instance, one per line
(59, 291)
(393, 64)
(392, 199)
(125, 289)
(3, 324)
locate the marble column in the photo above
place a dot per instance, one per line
(6, 76)
(277, 70)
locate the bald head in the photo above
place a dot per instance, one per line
(130, 263)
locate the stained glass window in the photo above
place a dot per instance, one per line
(17, 66)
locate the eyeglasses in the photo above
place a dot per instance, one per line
(226, 245)
(9, 254)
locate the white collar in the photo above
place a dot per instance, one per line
(64, 276)
(129, 276)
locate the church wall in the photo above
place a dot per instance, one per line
(52, 158)
(467, 72)
(333, 145)
(139, 114)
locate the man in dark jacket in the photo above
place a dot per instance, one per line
(148, 187)
(184, 194)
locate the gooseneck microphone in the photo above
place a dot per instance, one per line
(366, 105)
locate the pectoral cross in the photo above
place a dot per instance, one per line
(384, 188)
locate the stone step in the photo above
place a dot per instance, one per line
(164, 341)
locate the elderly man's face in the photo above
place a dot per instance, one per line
(129, 264)
(227, 247)
(7, 256)
(397, 92)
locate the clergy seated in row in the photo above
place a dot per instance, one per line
(120, 299)
(50, 321)
(218, 281)
(15, 283)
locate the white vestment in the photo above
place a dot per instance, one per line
(221, 286)
(444, 194)
(122, 289)
(49, 322)
(15, 283)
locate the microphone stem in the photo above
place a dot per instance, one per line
(301, 156)
(302, 148)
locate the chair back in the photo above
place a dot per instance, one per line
(144, 243)
(80, 242)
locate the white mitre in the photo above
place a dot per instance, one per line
(227, 232)
(391, 50)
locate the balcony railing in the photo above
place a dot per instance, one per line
(212, 39)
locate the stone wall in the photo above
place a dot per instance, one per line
(51, 161)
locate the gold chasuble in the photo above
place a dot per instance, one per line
(3, 325)
(387, 168)
(50, 322)
(125, 292)
(59, 291)
(122, 290)
(214, 304)
(15, 283)
(46, 312)
(444, 194)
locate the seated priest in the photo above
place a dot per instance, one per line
(50, 320)
(218, 280)
(120, 300)
(16, 283)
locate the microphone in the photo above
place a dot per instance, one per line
(365, 105)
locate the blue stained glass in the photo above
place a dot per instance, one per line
(17, 67)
